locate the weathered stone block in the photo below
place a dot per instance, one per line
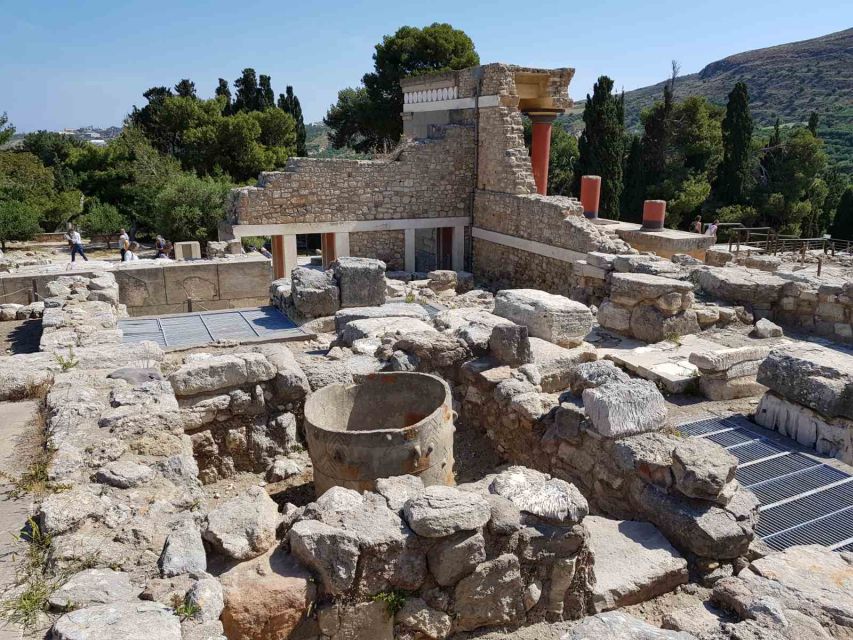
(361, 281)
(553, 318)
(619, 409)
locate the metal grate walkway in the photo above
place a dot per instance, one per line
(803, 501)
(195, 329)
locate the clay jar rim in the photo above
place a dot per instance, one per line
(319, 396)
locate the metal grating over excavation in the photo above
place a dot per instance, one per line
(803, 500)
(195, 329)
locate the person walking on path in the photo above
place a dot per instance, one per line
(76, 245)
(123, 243)
(696, 227)
(712, 228)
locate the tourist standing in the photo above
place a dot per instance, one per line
(123, 243)
(712, 228)
(76, 245)
(130, 253)
(696, 227)
(160, 246)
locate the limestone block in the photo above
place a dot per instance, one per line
(378, 327)
(556, 365)
(811, 375)
(188, 250)
(745, 286)
(829, 436)
(654, 568)
(314, 293)
(614, 317)
(193, 281)
(440, 511)
(491, 596)
(551, 317)
(546, 499)
(615, 625)
(238, 278)
(93, 586)
(766, 329)
(243, 527)
(361, 281)
(702, 469)
(717, 257)
(471, 325)
(641, 286)
(390, 310)
(725, 359)
(618, 409)
(730, 388)
(127, 620)
(510, 345)
(651, 325)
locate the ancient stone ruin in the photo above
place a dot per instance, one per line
(487, 423)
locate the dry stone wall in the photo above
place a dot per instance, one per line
(430, 178)
(388, 246)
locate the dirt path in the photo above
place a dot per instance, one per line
(15, 432)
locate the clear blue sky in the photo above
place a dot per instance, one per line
(66, 63)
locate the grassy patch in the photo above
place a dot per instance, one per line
(394, 600)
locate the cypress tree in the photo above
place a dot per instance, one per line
(657, 134)
(635, 183)
(223, 90)
(601, 144)
(813, 122)
(289, 103)
(266, 96)
(246, 97)
(842, 226)
(733, 173)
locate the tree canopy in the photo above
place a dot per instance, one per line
(367, 118)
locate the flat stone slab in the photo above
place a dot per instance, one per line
(391, 310)
(634, 562)
(666, 363)
(378, 327)
(811, 375)
(615, 625)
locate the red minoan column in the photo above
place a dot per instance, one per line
(541, 150)
(590, 195)
(278, 257)
(327, 248)
(654, 211)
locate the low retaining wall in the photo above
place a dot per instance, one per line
(160, 287)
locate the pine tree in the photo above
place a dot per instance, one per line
(185, 88)
(266, 96)
(813, 122)
(289, 103)
(246, 96)
(733, 174)
(601, 144)
(635, 183)
(842, 226)
(223, 90)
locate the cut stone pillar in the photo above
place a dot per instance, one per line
(458, 248)
(654, 212)
(341, 241)
(327, 248)
(409, 255)
(590, 195)
(540, 150)
(283, 255)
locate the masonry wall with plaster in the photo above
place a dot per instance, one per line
(463, 171)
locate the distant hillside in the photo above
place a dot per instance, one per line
(789, 81)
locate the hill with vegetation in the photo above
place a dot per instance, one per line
(788, 81)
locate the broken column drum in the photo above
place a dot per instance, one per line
(390, 424)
